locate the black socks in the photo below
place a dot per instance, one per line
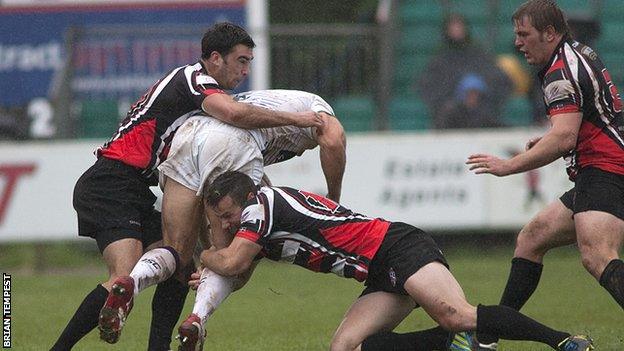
(507, 323)
(167, 305)
(612, 279)
(84, 319)
(426, 340)
(524, 277)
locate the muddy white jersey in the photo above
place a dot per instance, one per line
(282, 143)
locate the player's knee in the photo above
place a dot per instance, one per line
(594, 258)
(344, 343)
(532, 239)
(456, 319)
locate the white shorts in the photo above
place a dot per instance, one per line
(204, 148)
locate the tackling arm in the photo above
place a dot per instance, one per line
(232, 260)
(332, 143)
(247, 116)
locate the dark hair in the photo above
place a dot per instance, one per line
(223, 37)
(543, 13)
(235, 184)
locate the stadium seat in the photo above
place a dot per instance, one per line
(418, 12)
(611, 37)
(407, 71)
(98, 118)
(476, 11)
(408, 112)
(517, 112)
(421, 38)
(612, 11)
(355, 112)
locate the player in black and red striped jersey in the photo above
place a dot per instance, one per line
(112, 198)
(585, 111)
(401, 265)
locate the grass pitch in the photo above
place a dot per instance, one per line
(288, 308)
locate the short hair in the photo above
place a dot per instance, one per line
(543, 13)
(235, 184)
(223, 37)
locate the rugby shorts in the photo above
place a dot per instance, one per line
(404, 250)
(596, 190)
(113, 201)
(204, 148)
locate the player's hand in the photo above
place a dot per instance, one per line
(531, 143)
(195, 279)
(483, 163)
(309, 119)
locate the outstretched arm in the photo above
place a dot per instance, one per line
(557, 142)
(332, 143)
(242, 115)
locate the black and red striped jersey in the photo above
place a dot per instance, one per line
(576, 80)
(144, 136)
(312, 231)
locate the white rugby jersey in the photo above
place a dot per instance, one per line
(282, 143)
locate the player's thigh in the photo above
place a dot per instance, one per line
(180, 218)
(437, 291)
(552, 227)
(370, 314)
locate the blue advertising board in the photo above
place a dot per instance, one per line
(33, 40)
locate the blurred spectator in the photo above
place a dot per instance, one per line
(10, 127)
(458, 56)
(468, 109)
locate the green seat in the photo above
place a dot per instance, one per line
(419, 39)
(418, 12)
(98, 118)
(517, 112)
(355, 112)
(505, 38)
(611, 38)
(408, 113)
(475, 11)
(575, 6)
(612, 11)
(408, 70)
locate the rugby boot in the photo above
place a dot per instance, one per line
(464, 341)
(191, 334)
(116, 309)
(576, 343)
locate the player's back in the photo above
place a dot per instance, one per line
(282, 143)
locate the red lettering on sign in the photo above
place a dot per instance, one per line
(11, 174)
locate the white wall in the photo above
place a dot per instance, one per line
(415, 178)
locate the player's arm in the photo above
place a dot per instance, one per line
(557, 142)
(225, 108)
(232, 260)
(332, 144)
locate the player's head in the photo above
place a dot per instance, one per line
(227, 195)
(539, 25)
(227, 51)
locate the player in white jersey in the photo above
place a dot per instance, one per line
(204, 148)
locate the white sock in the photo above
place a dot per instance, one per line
(155, 266)
(212, 291)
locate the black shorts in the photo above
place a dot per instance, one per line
(596, 190)
(114, 202)
(404, 250)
